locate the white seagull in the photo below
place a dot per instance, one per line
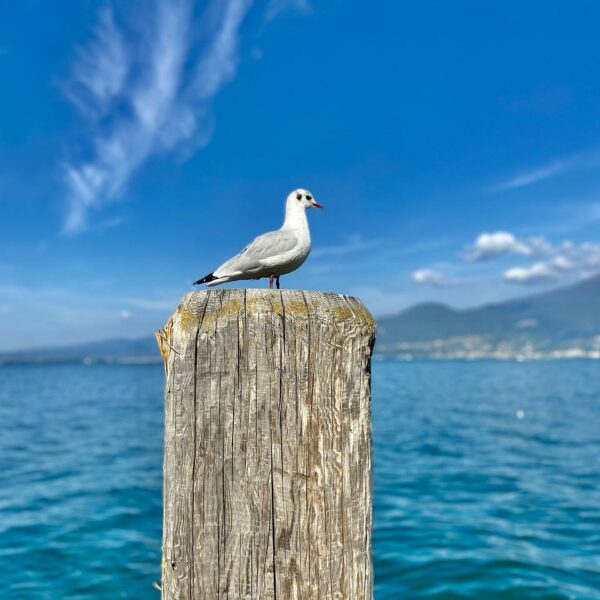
(275, 253)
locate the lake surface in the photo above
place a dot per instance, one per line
(487, 481)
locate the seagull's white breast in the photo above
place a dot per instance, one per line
(290, 260)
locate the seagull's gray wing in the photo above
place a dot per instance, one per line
(262, 252)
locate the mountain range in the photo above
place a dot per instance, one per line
(559, 323)
(117, 350)
(563, 323)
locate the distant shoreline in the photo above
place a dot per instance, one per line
(142, 362)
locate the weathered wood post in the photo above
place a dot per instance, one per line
(267, 470)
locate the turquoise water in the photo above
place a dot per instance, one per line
(472, 501)
(487, 481)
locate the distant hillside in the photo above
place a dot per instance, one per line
(120, 350)
(560, 321)
(564, 323)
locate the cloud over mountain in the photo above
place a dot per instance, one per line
(497, 243)
(541, 260)
(432, 277)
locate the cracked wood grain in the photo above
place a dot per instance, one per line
(267, 467)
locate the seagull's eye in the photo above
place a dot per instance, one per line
(308, 197)
(298, 196)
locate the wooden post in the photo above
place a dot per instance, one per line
(267, 470)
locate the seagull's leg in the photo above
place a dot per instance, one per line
(277, 282)
(271, 277)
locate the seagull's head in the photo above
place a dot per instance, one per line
(302, 198)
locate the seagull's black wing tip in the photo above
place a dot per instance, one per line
(205, 279)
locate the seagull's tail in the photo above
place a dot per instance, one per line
(206, 279)
(218, 281)
(212, 279)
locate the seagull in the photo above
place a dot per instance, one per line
(275, 253)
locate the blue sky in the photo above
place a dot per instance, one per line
(456, 146)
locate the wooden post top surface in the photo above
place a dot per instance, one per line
(201, 311)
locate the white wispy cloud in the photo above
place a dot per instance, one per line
(497, 243)
(277, 7)
(100, 69)
(553, 168)
(530, 177)
(146, 94)
(432, 277)
(590, 256)
(539, 271)
(566, 259)
(541, 260)
(562, 263)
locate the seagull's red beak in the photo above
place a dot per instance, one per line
(316, 205)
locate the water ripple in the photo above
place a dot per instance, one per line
(487, 480)
(472, 501)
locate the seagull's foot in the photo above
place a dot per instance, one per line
(277, 282)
